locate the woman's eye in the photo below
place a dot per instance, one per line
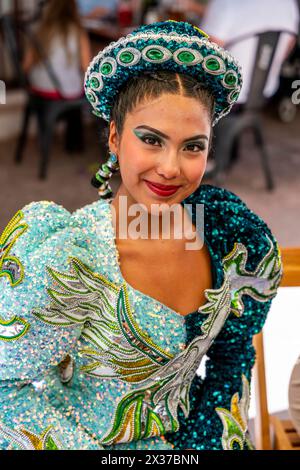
(199, 147)
(150, 139)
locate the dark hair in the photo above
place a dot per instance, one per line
(59, 17)
(152, 85)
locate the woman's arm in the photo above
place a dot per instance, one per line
(219, 403)
(39, 236)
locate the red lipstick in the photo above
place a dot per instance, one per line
(162, 189)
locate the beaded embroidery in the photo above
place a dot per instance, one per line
(27, 440)
(153, 409)
(13, 329)
(119, 349)
(11, 266)
(33, 369)
(235, 421)
(171, 45)
(260, 284)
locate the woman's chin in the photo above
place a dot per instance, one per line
(148, 199)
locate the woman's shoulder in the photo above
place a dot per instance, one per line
(43, 218)
(91, 212)
(215, 196)
(35, 222)
(228, 220)
(42, 228)
(37, 241)
(249, 253)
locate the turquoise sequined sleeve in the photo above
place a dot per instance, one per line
(218, 417)
(38, 238)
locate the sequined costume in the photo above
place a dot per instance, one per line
(88, 362)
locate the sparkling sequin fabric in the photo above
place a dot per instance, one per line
(88, 362)
(177, 46)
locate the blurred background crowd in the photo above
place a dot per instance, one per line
(51, 144)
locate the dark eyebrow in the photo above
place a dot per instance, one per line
(198, 136)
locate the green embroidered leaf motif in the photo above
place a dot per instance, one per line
(118, 348)
(27, 440)
(167, 388)
(10, 266)
(50, 444)
(83, 297)
(13, 329)
(260, 284)
(137, 417)
(235, 421)
(234, 436)
(217, 308)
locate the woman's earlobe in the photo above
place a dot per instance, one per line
(113, 138)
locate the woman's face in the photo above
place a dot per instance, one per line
(164, 141)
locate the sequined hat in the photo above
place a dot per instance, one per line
(176, 46)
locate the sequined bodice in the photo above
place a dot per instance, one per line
(99, 361)
(110, 365)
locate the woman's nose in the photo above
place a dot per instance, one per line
(168, 165)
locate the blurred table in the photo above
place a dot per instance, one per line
(106, 29)
(103, 32)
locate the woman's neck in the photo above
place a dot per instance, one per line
(132, 222)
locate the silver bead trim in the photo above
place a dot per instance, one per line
(112, 62)
(166, 54)
(222, 68)
(231, 72)
(197, 54)
(104, 174)
(98, 76)
(136, 53)
(230, 99)
(221, 114)
(93, 103)
(172, 36)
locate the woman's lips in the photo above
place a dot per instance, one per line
(160, 189)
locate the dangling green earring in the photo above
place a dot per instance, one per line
(101, 179)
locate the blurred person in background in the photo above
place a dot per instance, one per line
(65, 47)
(228, 20)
